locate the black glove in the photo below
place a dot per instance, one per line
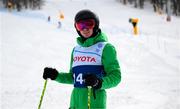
(93, 81)
(50, 73)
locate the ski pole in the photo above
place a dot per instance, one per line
(89, 96)
(42, 95)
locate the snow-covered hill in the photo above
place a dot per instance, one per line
(149, 62)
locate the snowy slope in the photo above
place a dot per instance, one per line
(149, 62)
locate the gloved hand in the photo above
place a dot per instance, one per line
(93, 81)
(50, 73)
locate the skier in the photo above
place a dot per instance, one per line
(93, 63)
(59, 24)
(49, 18)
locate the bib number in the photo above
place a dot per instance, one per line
(78, 79)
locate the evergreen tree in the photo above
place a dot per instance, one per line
(22, 4)
(160, 6)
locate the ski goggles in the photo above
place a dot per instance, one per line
(85, 24)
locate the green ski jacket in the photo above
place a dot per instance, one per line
(112, 77)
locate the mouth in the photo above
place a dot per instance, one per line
(86, 32)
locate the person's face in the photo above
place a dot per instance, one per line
(85, 27)
(86, 33)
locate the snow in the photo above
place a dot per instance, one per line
(149, 62)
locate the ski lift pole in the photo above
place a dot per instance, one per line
(89, 96)
(42, 95)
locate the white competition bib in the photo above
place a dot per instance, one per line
(87, 60)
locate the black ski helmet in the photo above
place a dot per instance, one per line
(88, 14)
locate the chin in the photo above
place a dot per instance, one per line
(86, 36)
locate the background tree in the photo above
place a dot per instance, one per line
(139, 3)
(125, 2)
(159, 6)
(176, 4)
(22, 4)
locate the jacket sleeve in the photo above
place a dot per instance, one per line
(111, 67)
(64, 77)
